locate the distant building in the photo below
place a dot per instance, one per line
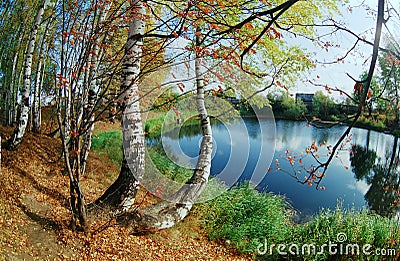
(307, 99)
(233, 100)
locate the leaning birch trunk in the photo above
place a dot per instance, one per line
(36, 107)
(120, 196)
(166, 214)
(19, 131)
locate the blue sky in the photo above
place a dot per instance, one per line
(360, 21)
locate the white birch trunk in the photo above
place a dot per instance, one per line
(166, 214)
(19, 131)
(12, 98)
(36, 107)
(36, 114)
(121, 194)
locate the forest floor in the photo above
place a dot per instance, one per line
(35, 215)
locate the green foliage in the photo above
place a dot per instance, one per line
(293, 109)
(323, 106)
(287, 107)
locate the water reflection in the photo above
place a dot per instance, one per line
(372, 179)
(381, 174)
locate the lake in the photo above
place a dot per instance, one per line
(364, 174)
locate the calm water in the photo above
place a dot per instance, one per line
(365, 173)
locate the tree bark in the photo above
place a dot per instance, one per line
(19, 131)
(120, 196)
(88, 114)
(166, 214)
(36, 108)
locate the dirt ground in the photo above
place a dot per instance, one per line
(34, 213)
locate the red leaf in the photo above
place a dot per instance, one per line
(176, 111)
(181, 87)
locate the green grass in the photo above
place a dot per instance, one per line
(167, 167)
(245, 219)
(152, 127)
(110, 145)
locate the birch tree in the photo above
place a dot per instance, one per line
(121, 194)
(23, 114)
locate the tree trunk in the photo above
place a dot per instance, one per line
(120, 196)
(88, 114)
(19, 131)
(9, 99)
(36, 108)
(166, 214)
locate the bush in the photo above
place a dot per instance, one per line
(359, 227)
(293, 109)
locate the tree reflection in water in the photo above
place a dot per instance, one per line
(381, 174)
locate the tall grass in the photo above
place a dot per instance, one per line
(246, 219)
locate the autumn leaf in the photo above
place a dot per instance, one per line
(177, 113)
(249, 26)
(369, 94)
(358, 87)
(181, 87)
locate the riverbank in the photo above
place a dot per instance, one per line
(243, 218)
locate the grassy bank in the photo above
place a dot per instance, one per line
(250, 222)
(247, 220)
